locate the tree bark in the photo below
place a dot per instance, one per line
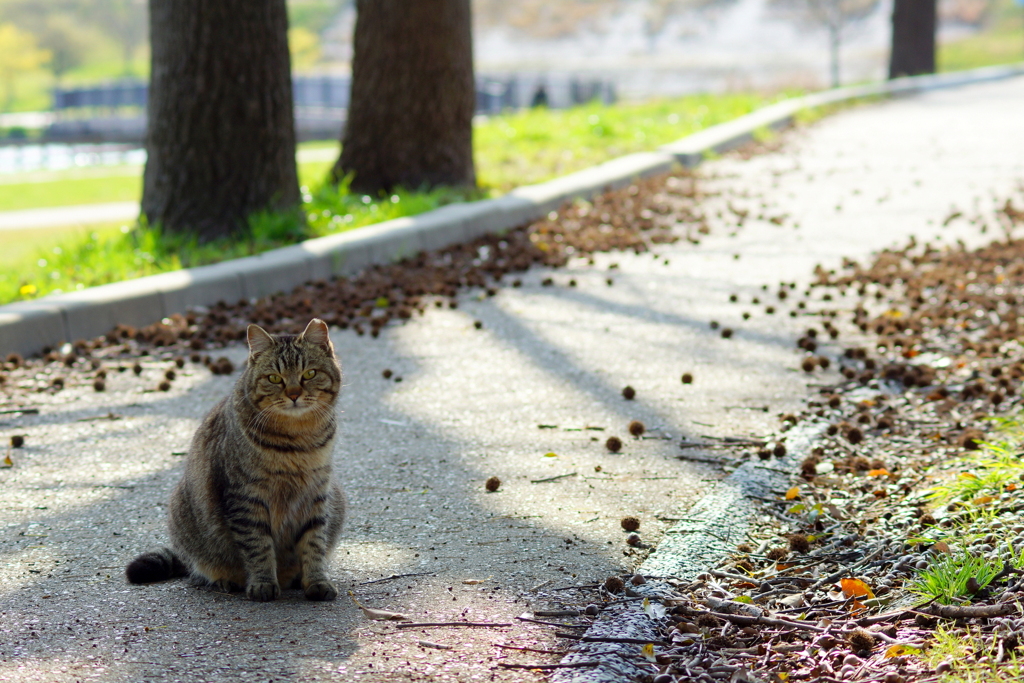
(410, 116)
(221, 138)
(913, 38)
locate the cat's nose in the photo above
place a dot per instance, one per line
(293, 393)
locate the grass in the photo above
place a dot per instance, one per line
(945, 579)
(1002, 41)
(513, 149)
(972, 655)
(98, 185)
(988, 472)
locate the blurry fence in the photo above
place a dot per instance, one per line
(115, 112)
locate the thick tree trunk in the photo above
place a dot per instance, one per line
(913, 38)
(413, 95)
(221, 140)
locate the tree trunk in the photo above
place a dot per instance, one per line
(913, 38)
(221, 138)
(410, 116)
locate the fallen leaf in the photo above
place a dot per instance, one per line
(855, 588)
(793, 493)
(900, 649)
(1011, 487)
(968, 475)
(551, 455)
(941, 547)
(983, 500)
(473, 582)
(880, 472)
(7, 462)
(378, 614)
(653, 609)
(745, 599)
(648, 652)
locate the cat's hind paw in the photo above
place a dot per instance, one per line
(321, 590)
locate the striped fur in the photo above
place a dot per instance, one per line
(258, 506)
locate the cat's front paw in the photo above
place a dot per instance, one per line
(321, 590)
(263, 592)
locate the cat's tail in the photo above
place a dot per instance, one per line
(158, 564)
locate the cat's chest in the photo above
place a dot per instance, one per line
(291, 498)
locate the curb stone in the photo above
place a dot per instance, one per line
(28, 326)
(711, 531)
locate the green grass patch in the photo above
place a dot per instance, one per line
(1000, 42)
(511, 150)
(535, 145)
(988, 472)
(946, 578)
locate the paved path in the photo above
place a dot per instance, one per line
(84, 497)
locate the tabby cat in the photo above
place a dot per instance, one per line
(258, 506)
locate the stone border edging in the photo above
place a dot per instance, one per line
(712, 530)
(28, 326)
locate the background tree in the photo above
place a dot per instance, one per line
(19, 53)
(413, 96)
(834, 16)
(221, 139)
(67, 42)
(913, 38)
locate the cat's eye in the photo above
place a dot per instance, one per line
(274, 379)
(309, 374)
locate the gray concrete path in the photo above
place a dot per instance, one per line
(84, 496)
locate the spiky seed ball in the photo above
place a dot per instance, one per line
(707, 621)
(824, 362)
(860, 463)
(637, 428)
(832, 430)
(808, 365)
(628, 393)
(799, 543)
(614, 584)
(170, 375)
(102, 374)
(855, 435)
(164, 386)
(764, 453)
(478, 324)
(809, 466)
(614, 444)
(633, 540)
(779, 450)
(861, 640)
(733, 298)
(58, 383)
(637, 580)
(225, 365)
(834, 401)
(744, 565)
(744, 548)
(630, 523)
(17, 441)
(137, 369)
(687, 378)
(195, 358)
(714, 324)
(727, 333)
(15, 359)
(180, 362)
(99, 385)
(492, 484)
(386, 374)
(776, 554)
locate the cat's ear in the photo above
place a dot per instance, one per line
(316, 332)
(259, 340)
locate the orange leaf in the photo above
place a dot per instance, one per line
(941, 547)
(746, 584)
(780, 566)
(1011, 487)
(881, 472)
(793, 493)
(855, 588)
(982, 500)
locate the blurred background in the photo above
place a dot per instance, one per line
(560, 85)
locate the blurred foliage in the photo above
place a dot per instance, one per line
(1000, 41)
(19, 54)
(304, 46)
